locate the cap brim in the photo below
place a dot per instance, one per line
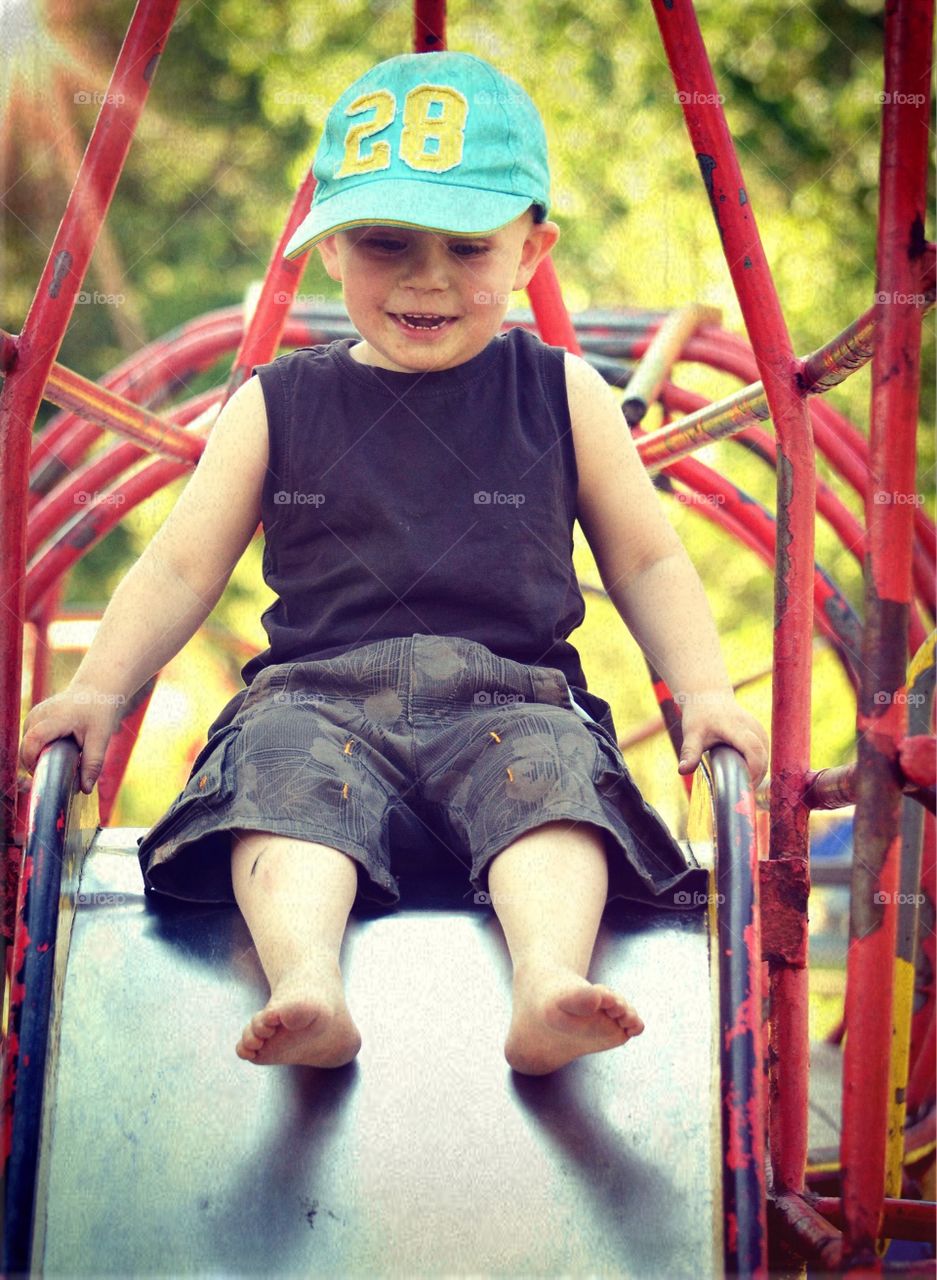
(425, 206)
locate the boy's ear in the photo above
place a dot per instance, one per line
(540, 239)
(328, 252)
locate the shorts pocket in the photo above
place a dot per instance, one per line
(210, 784)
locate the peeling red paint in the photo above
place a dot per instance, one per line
(745, 804)
(738, 1155)
(918, 758)
(748, 1013)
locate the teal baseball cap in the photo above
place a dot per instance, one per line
(434, 141)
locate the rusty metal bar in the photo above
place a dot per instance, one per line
(800, 1226)
(882, 718)
(662, 354)
(779, 370)
(835, 788)
(86, 483)
(901, 1219)
(41, 337)
(847, 527)
(94, 403)
(837, 439)
(826, 367)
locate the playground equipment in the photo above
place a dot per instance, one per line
(166, 1166)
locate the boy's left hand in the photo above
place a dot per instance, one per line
(709, 718)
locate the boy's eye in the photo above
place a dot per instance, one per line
(468, 249)
(383, 244)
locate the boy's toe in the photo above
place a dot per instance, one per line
(264, 1024)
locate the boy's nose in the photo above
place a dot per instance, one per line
(428, 266)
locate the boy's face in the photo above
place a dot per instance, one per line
(422, 300)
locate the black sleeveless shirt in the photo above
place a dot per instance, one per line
(438, 504)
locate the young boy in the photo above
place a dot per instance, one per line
(418, 489)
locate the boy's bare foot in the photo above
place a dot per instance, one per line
(559, 1016)
(304, 1023)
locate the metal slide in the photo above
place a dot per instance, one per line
(142, 1144)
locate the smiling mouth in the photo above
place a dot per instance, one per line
(420, 320)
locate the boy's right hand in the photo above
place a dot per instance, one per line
(81, 712)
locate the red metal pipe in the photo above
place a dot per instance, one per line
(902, 1219)
(150, 377)
(264, 328)
(546, 302)
(42, 654)
(805, 1230)
(778, 370)
(829, 506)
(922, 1079)
(429, 25)
(882, 719)
(120, 748)
(43, 331)
(839, 440)
(83, 482)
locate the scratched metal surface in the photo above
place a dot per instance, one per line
(426, 1156)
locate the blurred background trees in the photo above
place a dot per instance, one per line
(232, 121)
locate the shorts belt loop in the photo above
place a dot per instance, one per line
(408, 642)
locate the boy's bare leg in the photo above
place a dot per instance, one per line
(549, 889)
(295, 896)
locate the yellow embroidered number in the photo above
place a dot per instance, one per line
(378, 157)
(445, 130)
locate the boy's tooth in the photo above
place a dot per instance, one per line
(410, 319)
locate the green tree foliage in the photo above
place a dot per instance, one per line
(235, 113)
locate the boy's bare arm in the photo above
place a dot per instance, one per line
(167, 594)
(649, 576)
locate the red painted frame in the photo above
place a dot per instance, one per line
(900, 540)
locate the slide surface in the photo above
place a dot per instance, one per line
(164, 1152)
